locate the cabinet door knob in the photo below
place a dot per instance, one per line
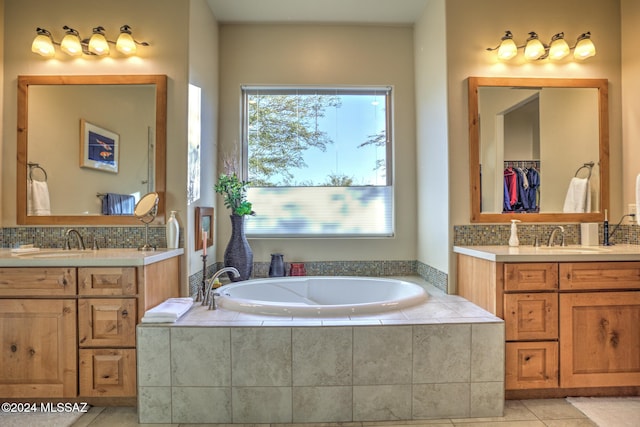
(14, 348)
(125, 313)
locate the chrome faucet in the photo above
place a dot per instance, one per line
(210, 294)
(551, 241)
(79, 240)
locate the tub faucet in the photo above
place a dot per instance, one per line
(551, 241)
(79, 240)
(210, 293)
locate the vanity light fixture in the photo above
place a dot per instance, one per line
(558, 48)
(126, 44)
(534, 49)
(584, 47)
(43, 43)
(507, 48)
(74, 45)
(71, 44)
(98, 44)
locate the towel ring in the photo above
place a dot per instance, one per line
(588, 166)
(33, 166)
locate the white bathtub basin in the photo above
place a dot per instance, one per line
(320, 296)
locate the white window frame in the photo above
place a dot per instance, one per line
(383, 195)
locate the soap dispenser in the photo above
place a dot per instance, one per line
(513, 239)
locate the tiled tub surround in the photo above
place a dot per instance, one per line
(444, 358)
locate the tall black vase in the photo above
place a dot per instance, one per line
(238, 253)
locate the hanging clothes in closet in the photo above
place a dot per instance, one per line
(521, 186)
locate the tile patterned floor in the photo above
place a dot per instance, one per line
(517, 413)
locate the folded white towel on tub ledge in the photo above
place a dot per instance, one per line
(168, 311)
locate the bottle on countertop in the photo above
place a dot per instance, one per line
(513, 239)
(173, 231)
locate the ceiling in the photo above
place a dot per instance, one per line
(320, 11)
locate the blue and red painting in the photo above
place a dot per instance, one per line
(101, 149)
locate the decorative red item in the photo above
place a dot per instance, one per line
(297, 269)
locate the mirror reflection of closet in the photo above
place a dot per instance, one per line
(553, 125)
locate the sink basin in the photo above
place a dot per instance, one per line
(576, 249)
(56, 253)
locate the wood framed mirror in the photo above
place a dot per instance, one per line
(565, 135)
(53, 112)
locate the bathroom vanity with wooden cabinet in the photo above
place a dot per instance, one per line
(67, 320)
(572, 316)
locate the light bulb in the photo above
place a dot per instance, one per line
(558, 48)
(584, 48)
(534, 49)
(98, 42)
(43, 44)
(71, 42)
(507, 49)
(125, 44)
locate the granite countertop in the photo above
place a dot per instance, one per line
(108, 257)
(572, 253)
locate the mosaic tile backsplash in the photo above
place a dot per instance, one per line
(498, 234)
(106, 237)
(464, 235)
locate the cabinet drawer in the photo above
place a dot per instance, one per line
(600, 275)
(530, 276)
(531, 365)
(107, 281)
(37, 281)
(532, 316)
(107, 372)
(107, 322)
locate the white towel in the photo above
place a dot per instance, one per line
(578, 196)
(38, 198)
(168, 311)
(638, 199)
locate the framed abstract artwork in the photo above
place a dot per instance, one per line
(99, 148)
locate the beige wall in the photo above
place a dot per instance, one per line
(163, 23)
(203, 72)
(149, 19)
(1, 107)
(630, 99)
(325, 55)
(432, 146)
(473, 26)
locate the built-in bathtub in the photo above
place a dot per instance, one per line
(440, 358)
(320, 296)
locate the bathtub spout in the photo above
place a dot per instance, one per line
(210, 294)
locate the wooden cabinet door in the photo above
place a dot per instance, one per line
(37, 281)
(107, 372)
(107, 322)
(38, 352)
(600, 339)
(532, 316)
(533, 276)
(531, 365)
(107, 281)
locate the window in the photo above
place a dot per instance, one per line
(318, 160)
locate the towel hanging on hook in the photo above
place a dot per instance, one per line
(588, 166)
(33, 166)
